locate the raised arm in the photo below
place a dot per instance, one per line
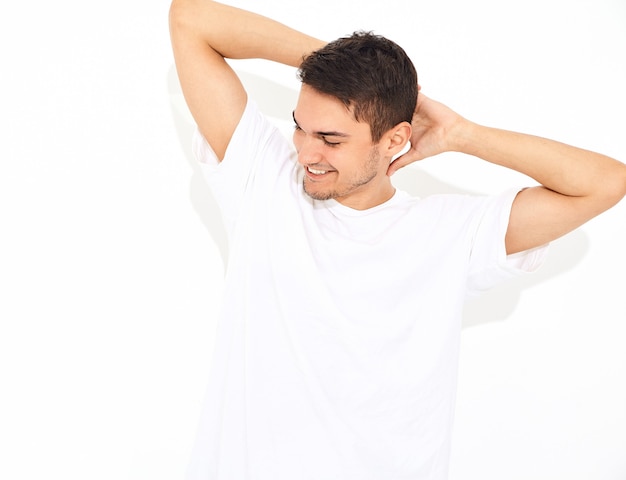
(576, 184)
(203, 34)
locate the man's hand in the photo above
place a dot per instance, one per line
(434, 127)
(576, 184)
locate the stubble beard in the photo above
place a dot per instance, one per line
(362, 177)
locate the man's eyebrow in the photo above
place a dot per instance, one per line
(321, 134)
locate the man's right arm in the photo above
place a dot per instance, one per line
(203, 34)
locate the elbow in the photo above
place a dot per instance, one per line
(193, 17)
(182, 13)
(623, 180)
(614, 186)
(178, 14)
(620, 183)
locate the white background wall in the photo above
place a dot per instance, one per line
(111, 261)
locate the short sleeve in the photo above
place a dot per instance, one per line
(489, 263)
(254, 152)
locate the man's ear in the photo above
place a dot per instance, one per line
(396, 138)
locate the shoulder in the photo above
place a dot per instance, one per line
(456, 206)
(255, 136)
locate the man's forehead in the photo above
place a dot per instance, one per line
(324, 112)
(323, 132)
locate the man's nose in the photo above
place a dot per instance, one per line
(309, 152)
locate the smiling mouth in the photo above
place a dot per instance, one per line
(315, 171)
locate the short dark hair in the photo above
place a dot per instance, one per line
(369, 73)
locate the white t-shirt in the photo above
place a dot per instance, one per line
(337, 348)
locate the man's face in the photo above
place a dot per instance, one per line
(337, 153)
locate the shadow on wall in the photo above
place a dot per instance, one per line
(278, 101)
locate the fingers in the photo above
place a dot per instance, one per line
(398, 163)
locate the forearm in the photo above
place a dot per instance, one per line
(238, 34)
(562, 168)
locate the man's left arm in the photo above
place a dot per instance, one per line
(576, 184)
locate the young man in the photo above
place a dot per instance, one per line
(337, 351)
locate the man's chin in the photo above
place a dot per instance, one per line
(318, 194)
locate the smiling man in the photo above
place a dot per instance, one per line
(360, 119)
(336, 356)
(341, 163)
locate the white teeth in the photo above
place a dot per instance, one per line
(316, 172)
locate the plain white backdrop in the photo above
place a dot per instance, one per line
(111, 256)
